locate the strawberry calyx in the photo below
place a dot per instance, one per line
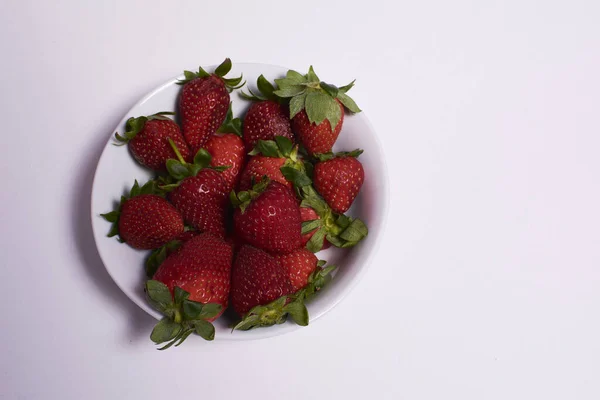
(133, 126)
(242, 199)
(265, 91)
(150, 187)
(293, 169)
(182, 315)
(340, 154)
(231, 125)
(180, 169)
(339, 230)
(319, 99)
(221, 70)
(291, 305)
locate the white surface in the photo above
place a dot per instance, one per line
(486, 284)
(117, 170)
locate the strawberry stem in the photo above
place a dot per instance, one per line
(176, 150)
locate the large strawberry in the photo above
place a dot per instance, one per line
(204, 101)
(266, 117)
(261, 290)
(277, 159)
(316, 109)
(268, 217)
(144, 219)
(148, 139)
(338, 178)
(191, 288)
(227, 149)
(199, 192)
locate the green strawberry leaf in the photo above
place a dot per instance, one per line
(297, 177)
(297, 104)
(289, 91)
(165, 330)
(231, 125)
(347, 87)
(159, 296)
(191, 309)
(265, 87)
(179, 295)
(309, 226)
(205, 329)
(202, 159)
(315, 243)
(267, 148)
(331, 90)
(210, 310)
(348, 103)
(223, 68)
(285, 145)
(298, 312)
(311, 76)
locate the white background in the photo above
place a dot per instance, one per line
(487, 283)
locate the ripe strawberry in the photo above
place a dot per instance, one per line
(316, 138)
(257, 279)
(309, 214)
(299, 264)
(204, 101)
(268, 217)
(191, 288)
(202, 201)
(227, 150)
(201, 267)
(259, 166)
(266, 118)
(148, 139)
(316, 109)
(339, 179)
(145, 220)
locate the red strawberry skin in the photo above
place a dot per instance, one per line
(308, 214)
(316, 138)
(339, 180)
(257, 278)
(259, 166)
(271, 221)
(203, 105)
(202, 267)
(265, 120)
(148, 222)
(202, 201)
(299, 264)
(227, 150)
(150, 146)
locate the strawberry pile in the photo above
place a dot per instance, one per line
(238, 209)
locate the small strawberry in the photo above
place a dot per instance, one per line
(316, 109)
(309, 214)
(257, 279)
(145, 220)
(227, 149)
(277, 159)
(199, 193)
(148, 139)
(268, 217)
(191, 288)
(203, 102)
(338, 178)
(300, 264)
(261, 290)
(266, 117)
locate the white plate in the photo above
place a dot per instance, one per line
(117, 170)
